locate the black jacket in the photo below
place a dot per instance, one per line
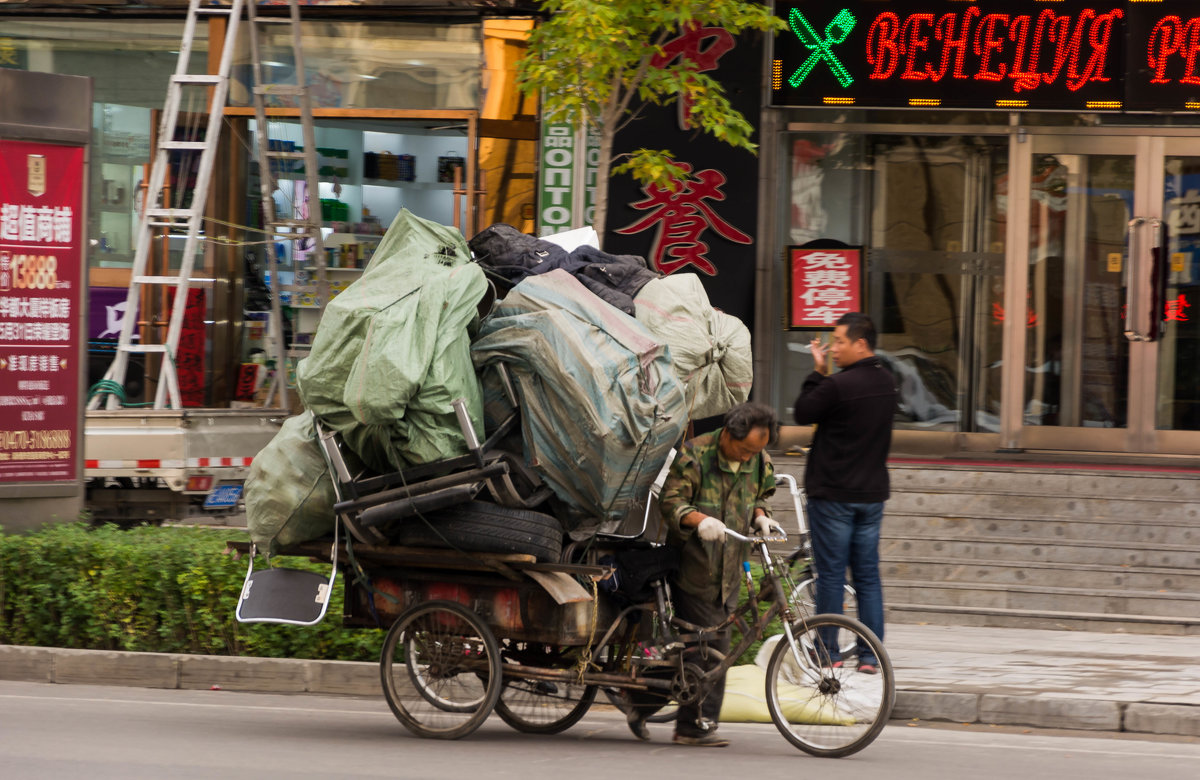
(853, 410)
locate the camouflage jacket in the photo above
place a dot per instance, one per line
(701, 480)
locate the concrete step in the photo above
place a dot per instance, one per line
(1009, 572)
(1079, 506)
(1176, 485)
(1047, 619)
(1114, 531)
(1096, 553)
(1042, 598)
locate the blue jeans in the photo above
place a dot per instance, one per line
(845, 534)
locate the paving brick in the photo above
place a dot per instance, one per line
(1058, 713)
(265, 675)
(105, 667)
(27, 664)
(936, 705)
(1163, 719)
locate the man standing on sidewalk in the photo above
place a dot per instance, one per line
(846, 477)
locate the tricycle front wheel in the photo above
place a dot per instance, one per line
(830, 692)
(440, 669)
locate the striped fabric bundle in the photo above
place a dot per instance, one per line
(601, 406)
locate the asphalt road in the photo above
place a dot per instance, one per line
(97, 732)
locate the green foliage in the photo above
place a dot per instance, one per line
(591, 59)
(167, 590)
(773, 628)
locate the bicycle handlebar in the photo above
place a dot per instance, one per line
(781, 537)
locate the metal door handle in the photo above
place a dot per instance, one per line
(1144, 293)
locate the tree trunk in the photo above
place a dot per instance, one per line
(603, 166)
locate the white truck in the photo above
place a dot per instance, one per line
(172, 464)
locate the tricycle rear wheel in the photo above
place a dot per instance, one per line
(541, 706)
(440, 669)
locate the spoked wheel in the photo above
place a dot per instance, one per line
(441, 670)
(541, 706)
(818, 699)
(804, 599)
(664, 715)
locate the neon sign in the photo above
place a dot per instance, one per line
(835, 32)
(1075, 55)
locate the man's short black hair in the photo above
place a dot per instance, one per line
(858, 326)
(744, 418)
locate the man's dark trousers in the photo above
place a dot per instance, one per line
(846, 534)
(703, 612)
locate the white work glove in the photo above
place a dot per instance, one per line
(767, 527)
(711, 530)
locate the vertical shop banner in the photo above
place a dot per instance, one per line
(824, 285)
(707, 224)
(568, 164)
(41, 234)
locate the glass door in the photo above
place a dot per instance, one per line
(1108, 347)
(1176, 395)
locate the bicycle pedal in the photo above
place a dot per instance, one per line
(672, 647)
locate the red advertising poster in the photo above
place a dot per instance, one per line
(825, 284)
(41, 238)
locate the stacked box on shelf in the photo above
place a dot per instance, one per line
(389, 166)
(333, 162)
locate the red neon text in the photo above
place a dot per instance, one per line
(993, 47)
(1172, 36)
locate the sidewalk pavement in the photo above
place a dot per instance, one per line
(1051, 679)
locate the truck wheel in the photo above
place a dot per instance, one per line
(477, 526)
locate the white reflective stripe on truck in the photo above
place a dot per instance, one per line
(156, 463)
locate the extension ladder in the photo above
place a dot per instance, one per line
(159, 214)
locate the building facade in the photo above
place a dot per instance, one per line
(1017, 184)
(414, 108)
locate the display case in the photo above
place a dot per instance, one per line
(368, 171)
(120, 156)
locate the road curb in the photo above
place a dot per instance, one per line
(356, 678)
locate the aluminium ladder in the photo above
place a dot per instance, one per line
(158, 213)
(303, 228)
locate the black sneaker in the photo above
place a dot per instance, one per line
(711, 739)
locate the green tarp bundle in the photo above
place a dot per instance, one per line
(600, 404)
(289, 493)
(393, 350)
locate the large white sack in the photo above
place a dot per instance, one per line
(710, 349)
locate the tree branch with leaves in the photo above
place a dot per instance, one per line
(596, 63)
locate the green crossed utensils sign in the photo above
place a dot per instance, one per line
(836, 32)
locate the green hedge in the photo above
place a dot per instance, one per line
(160, 590)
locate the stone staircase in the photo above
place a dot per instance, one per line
(1035, 545)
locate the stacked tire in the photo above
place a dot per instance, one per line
(479, 526)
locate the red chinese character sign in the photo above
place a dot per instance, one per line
(682, 216)
(824, 285)
(41, 202)
(706, 225)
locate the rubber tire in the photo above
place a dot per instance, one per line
(412, 720)
(885, 677)
(478, 526)
(569, 718)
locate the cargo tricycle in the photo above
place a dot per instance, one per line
(534, 635)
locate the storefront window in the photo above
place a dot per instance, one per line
(929, 213)
(370, 64)
(130, 62)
